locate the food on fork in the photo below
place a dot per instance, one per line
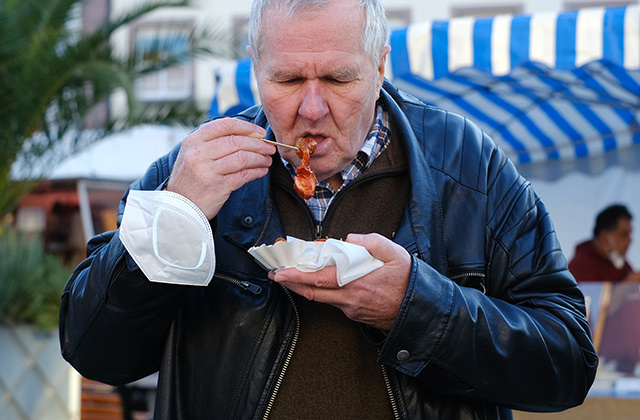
(305, 181)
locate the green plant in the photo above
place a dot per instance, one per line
(52, 76)
(31, 281)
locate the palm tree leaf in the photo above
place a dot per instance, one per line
(53, 76)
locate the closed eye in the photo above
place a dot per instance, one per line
(291, 81)
(337, 81)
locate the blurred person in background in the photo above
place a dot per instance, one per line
(603, 258)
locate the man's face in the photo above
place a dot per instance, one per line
(620, 237)
(315, 80)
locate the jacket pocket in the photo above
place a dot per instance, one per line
(472, 276)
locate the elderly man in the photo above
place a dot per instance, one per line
(472, 312)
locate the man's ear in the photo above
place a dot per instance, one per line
(383, 61)
(248, 50)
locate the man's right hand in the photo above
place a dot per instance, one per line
(217, 159)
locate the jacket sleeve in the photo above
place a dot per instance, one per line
(113, 321)
(525, 343)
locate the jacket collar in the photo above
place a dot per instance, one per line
(254, 220)
(417, 228)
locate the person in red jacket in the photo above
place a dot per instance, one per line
(603, 257)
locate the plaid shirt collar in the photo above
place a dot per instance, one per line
(376, 142)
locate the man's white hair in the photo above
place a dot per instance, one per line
(374, 36)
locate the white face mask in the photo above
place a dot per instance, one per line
(168, 237)
(616, 258)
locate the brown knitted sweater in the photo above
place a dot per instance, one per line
(334, 372)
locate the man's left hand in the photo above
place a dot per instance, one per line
(373, 299)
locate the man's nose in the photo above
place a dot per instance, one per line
(313, 106)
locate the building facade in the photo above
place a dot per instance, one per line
(195, 81)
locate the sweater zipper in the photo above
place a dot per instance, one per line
(338, 196)
(318, 231)
(319, 226)
(287, 359)
(328, 214)
(392, 398)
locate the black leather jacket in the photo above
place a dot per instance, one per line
(491, 319)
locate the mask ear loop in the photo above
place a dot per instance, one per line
(154, 239)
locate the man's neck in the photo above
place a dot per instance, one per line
(335, 181)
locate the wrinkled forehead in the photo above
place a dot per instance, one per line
(318, 27)
(291, 8)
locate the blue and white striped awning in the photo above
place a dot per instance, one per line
(499, 44)
(551, 88)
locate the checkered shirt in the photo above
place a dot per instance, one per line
(376, 142)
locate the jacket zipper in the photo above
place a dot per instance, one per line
(287, 359)
(242, 284)
(392, 398)
(292, 347)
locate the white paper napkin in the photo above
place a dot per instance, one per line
(352, 261)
